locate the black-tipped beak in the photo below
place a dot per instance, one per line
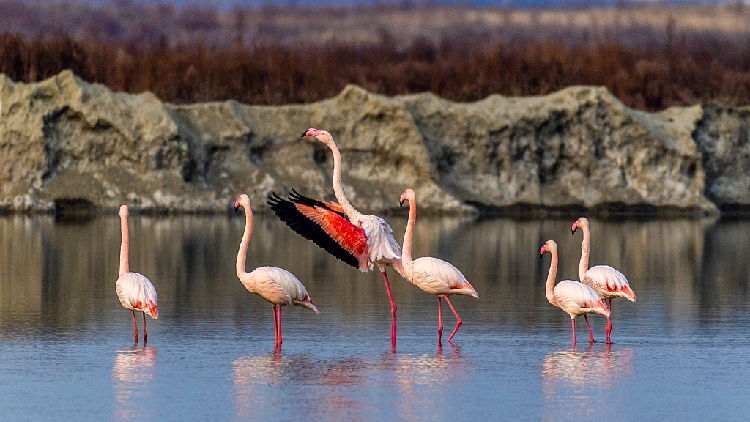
(401, 203)
(236, 208)
(541, 255)
(304, 134)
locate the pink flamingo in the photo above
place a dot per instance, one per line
(571, 296)
(432, 275)
(134, 290)
(276, 285)
(606, 281)
(361, 241)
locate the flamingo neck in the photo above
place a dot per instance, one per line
(583, 266)
(338, 190)
(551, 278)
(242, 254)
(406, 260)
(124, 245)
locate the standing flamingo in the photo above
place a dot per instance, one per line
(276, 285)
(134, 290)
(361, 241)
(432, 275)
(573, 297)
(606, 281)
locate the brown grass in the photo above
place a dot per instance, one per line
(459, 68)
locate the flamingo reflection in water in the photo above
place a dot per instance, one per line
(576, 382)
(132, 372)
(256, 379)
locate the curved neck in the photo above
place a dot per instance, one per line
(124, 245)
(551, 277)
(242, 254)
(583, 266)
(406, 260)
(337, 189)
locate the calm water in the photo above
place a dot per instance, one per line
(682, 352)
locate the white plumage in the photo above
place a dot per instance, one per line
(432, 275)
(137, 293)
(276, 285)
(382, 247)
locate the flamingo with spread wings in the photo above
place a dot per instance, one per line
(361, 241)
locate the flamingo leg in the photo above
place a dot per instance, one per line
(458, 319)
(145, 334)
(573, 321)
(591, 336)
(393, 308)
(440, 324)
(609, 323)
(275, 324)
(135, 327)
(278, 311)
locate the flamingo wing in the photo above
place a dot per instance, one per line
(608, 282)
(320, 222)
(576, 298)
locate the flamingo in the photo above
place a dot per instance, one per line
(135, 291)
(606, 281)
(573, 297)
(276, 285)
(361, 241)
(432, 275)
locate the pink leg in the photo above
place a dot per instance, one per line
(609, 323)
(458, 319)
(275, 324)
(278, 311)
(440, 324)
(135, 327)
(591, 336)
(393, 308)
(574, 331)
(145, 334)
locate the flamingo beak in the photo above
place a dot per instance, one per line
(236, 205)
(574, 228)
(304, 134)
(541, 253)
(401, 203)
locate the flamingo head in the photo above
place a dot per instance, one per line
(242, 201)
(408, 195)
(550, 246)
(124, 211)
(580, 223)
(313, 132)
(321, 135)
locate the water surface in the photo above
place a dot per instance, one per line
(67, 352)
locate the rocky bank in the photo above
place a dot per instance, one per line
(67, 143)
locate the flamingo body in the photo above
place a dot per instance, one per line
(137, 294)
(576, 298)
(276, 285)
(432, 275)
(608, 283)
(438, 277)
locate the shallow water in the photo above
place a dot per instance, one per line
(66, 351)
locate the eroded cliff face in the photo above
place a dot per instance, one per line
(63, 140)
